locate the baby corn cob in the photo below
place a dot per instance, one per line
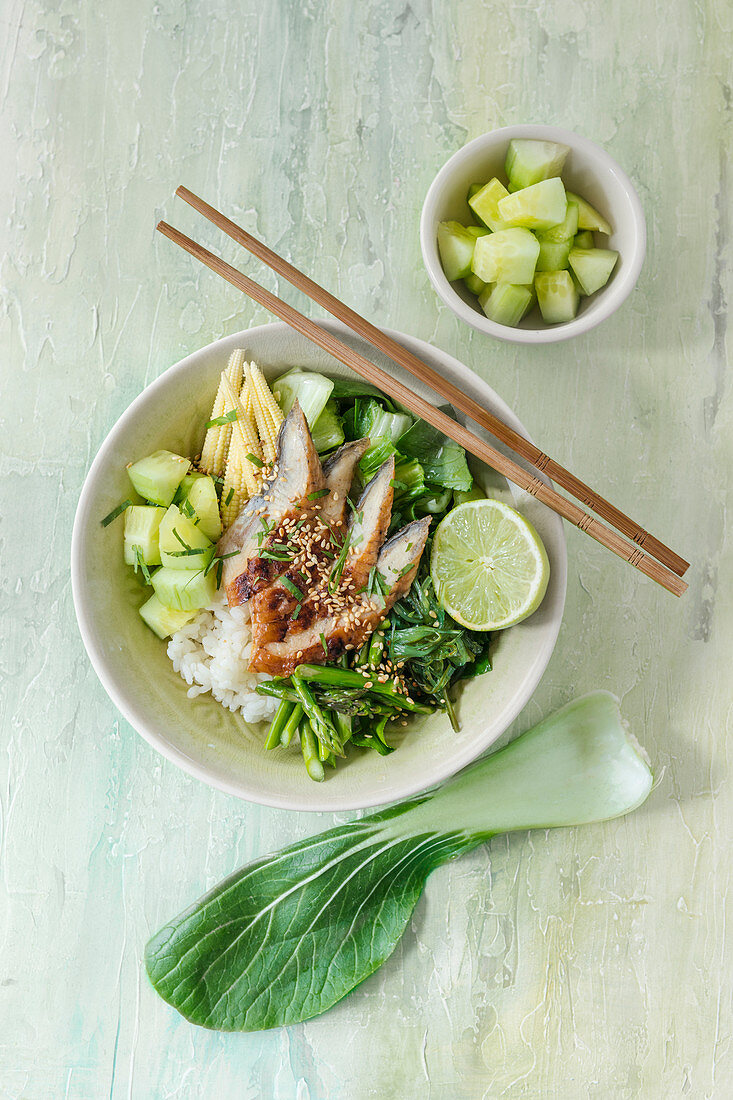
(242, 477)
(266, 410)
(216, 443)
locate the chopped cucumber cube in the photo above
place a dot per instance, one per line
(455, 244)
(164, 621)
(592, 267)
(485, 204)
(505, 303)
(474, 284)
(185, 487)
(553, 257)
(182, 544)
(529, 161)
(142, 522)
(508, 256)
(327, 431)
(588, 218)
(557, 297)
(311, 390)
(157, 477)
(203, 500)
(473, 190)
(184, 590)
(584, 239)
(540, 206)
(565, 231)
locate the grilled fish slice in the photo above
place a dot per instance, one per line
(280, 604)
(369, 525)
(298, 476)
(283, 644)
(338, 471)
(273, 606)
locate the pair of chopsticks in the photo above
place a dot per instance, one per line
(645, 552)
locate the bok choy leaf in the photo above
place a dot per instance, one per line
(289, 935)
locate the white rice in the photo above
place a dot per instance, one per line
(211, 653)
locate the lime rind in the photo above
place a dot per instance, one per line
(489, 566)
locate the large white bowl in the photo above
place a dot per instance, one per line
(200, 735)
(589, 171)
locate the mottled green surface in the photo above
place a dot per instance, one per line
(581, 964)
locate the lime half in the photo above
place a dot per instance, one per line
(488, 564)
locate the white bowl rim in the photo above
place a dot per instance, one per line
(617, 292)
(137, 719)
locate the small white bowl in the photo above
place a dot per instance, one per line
(199, 735)
(589, 171)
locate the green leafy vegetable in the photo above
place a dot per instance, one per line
(443, 461)
(289, 935)
(344, 388)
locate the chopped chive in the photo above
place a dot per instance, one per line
(270, 554)
(183, 544)
(406, 569)
(116, 512)
(255, 461)
(292, 588)
(318, 493)
(323, 643)
(337, 569)
(231, 554)
(219, 570)
(188, 552)
(228, 500)
(296, 612)
(140, 561)
(219, 421)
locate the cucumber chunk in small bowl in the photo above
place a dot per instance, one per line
(549, 200)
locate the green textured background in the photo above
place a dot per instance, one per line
(592, 963)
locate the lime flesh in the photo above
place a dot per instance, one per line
(488, 564)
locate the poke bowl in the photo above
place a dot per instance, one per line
(199, 734)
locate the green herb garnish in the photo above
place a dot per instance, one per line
(220, 421)
(318, 493)
(255, 461)
(292, 588)
(139, 562)
(116, 512)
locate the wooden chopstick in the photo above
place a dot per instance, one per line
(442, 386)
(383, 381)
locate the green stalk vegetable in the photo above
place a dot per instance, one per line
(289, 935)
(309, 745)
(279, 723)
(291, 726)
(342, 677)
